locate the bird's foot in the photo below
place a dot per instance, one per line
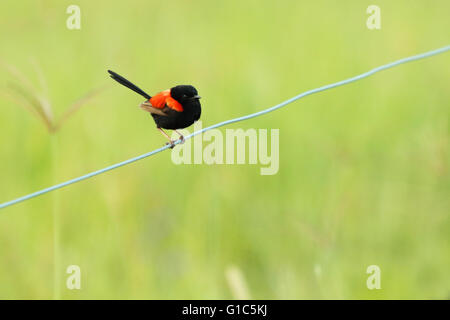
(171, 143)
(181, 139)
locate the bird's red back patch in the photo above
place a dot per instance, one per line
(160, 100)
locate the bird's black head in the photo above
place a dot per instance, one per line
(184, 93)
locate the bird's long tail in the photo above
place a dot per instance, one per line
(128, 84)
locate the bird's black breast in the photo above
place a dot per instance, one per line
(179, 120)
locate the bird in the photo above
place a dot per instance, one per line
(171, 109)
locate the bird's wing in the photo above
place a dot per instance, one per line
(164, 100)
(148, 107)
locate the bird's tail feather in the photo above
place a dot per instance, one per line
(128, 84)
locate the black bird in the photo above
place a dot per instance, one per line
(175, 108)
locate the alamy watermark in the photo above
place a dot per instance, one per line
(374, 20)
(374, 280)
(73, 22)
(74, 279)
(213, 147)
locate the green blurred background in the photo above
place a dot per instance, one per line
(364, 169)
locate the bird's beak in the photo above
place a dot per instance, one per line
(196, 97)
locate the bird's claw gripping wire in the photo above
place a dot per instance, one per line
(181, 139)
(171, 143)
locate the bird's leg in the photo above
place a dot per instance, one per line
(172, 143)
(181, 136)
